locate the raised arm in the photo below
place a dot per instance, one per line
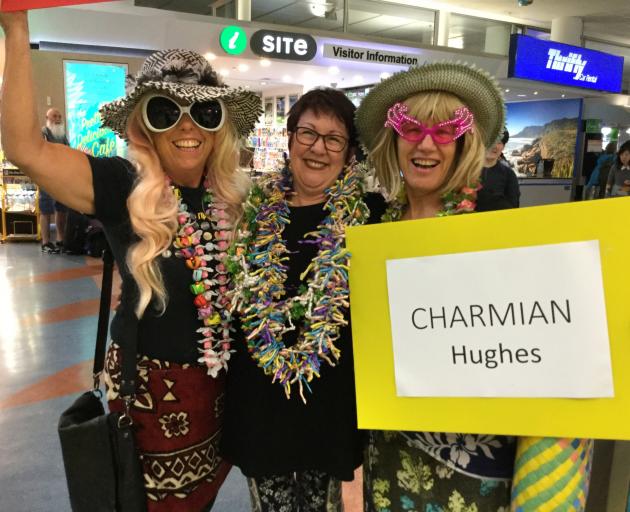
(63, 172)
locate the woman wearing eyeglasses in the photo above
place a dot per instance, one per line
(426, 131)
(167, 215)
(290, 420)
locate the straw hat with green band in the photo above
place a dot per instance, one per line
(478, 90)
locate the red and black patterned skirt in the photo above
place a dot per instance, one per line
(178, 414)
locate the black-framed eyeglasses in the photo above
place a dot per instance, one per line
(332, 142)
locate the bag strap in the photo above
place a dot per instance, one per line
(103, 316)
(128, 374)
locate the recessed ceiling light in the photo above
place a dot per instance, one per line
(224, 72)
(333, 70)
(535, 93)
(318, 9)
(522, 95)
(563, 95)
(507, 90)
(384, 75)
(210, 56)
(263, 83)
(243, 67)
(265, 63)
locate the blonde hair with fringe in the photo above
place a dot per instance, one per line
(436, 106)
(153, 207)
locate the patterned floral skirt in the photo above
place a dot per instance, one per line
(398, 476)
(177, 414)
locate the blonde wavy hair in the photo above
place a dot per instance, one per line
(153, 207)
(437, 106)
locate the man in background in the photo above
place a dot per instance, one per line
(497, 176)
(54, 131)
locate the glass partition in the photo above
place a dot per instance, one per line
(315, 14)
(218, 8)
(391, 20)
(479, 35)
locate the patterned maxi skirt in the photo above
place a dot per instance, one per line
(177, 414)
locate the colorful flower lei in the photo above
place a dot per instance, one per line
(454, 203)
(200, 239)
(258, 266)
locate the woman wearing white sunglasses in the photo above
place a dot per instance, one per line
(168, 217)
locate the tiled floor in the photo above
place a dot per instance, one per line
(48, 313)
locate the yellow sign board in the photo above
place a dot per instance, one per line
(378, 403)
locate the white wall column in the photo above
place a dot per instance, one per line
(244, 10)
(567, 30)
(443, 22)
(498, 39)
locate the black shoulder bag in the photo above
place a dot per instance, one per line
(99, 453)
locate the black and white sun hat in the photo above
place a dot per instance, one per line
(186, 75)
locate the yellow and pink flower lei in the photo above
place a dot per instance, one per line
(454, 203)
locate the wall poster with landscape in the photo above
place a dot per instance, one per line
(543, 135)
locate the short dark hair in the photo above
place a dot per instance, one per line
(325, 100)
(624, 147)
(611, 148)
(505, 137)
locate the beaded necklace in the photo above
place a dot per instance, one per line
(453, 203)
(200, 239)
(258, 266)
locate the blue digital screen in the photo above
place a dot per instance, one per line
(563, 64)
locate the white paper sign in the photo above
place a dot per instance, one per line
(522, 322)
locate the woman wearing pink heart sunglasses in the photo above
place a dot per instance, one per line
(426, 131)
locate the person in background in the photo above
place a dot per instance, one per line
(426, 131)
(168, 216)
(497, 176)
(55, 132)
(618, 183)
(596, 185)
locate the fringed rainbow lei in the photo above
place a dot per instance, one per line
(201, 239)
(258, 266)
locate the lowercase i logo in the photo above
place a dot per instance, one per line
(233, 40)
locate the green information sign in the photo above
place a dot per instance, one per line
(233, 40)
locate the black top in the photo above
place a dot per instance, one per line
(167, 337)
(501, 179)
(488, 201)
(264, 433)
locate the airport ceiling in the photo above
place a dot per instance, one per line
(602, 18)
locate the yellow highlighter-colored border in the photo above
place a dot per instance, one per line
(378, 406)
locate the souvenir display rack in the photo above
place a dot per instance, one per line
(19, 201)
(269, 138)
(269, 143)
